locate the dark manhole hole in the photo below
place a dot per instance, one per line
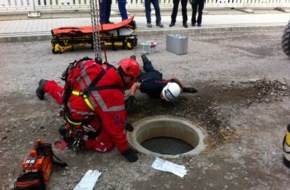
(167, 145)
(166, 136)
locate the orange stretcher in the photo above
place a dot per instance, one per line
(122, 34)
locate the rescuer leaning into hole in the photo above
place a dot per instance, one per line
(151, 82)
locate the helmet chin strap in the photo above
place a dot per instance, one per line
(122, 74)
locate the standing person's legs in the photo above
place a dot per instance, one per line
(194, 10)
(148, 12)
(157, 11)
(103, 11)
(122, 9)
(200, 8)
(174, 12)
(184, 10)
(108, 10)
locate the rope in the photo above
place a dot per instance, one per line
(95, 30)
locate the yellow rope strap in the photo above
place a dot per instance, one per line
(87, 101)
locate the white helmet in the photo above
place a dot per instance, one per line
(171, 91)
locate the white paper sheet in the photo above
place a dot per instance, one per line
(89, 180)
(166, 166)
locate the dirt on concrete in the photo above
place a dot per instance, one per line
(242, 106)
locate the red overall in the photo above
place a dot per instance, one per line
(108, 104)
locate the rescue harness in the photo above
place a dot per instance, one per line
(84, 93)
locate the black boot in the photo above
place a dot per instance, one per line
(62, 131)
(40, 89)
(133, 57)
(171, 24)
(144, 58)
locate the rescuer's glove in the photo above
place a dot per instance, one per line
(129, 127)
(129, 102)
(189, 90)
(130, 155)
(92, 134)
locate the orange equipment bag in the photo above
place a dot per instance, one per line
(37, 167)
(39, 159)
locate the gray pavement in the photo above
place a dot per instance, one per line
(39, 28)
(245, 155)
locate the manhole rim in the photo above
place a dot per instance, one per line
(131, 136)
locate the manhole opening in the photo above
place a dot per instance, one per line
(166, 136)
(167, 145)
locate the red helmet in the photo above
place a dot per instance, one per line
(130, 67)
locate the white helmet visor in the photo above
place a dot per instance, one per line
(167, 93)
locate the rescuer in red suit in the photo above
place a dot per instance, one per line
(94, 100)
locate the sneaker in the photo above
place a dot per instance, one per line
(192, 24)
(199, 24)
(159, 25)
(171, 24)
(40, 89)
(133, 57)
(149, 25)
(185, 25)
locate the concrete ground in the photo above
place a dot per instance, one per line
(242, 106)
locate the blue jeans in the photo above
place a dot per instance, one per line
(105, 9)
(122, 9)
(155, 4)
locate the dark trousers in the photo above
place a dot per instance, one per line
(175, 9)
(200, 5)
(122, 9)
(147, 65)
(155, 4)
(105, 8)
(150, 72)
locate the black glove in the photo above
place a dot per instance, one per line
(129, 102)
(189, 89)
(92, 135)
(129, 127)
(130, 155)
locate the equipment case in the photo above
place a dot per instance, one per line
(176, 44)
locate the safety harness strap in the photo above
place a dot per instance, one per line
(72, 121)
(86, 92)
(96, 80)
(85, 97)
